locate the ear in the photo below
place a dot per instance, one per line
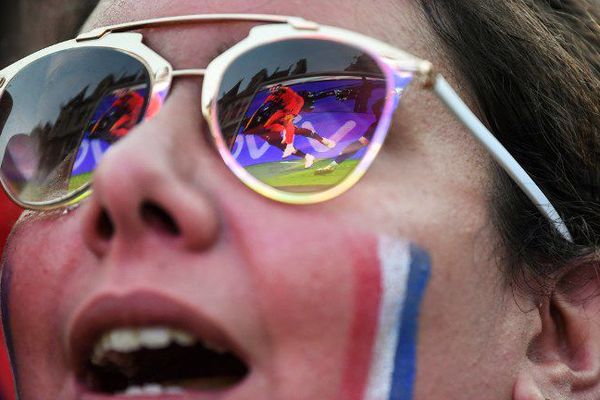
(563, 359)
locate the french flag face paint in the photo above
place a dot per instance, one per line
(383, 366)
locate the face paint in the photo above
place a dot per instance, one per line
(404, 270)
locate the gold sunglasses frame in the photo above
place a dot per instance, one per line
(120, 38)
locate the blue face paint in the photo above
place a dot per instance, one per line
(405, 272)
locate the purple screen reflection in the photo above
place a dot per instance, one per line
(336, 109)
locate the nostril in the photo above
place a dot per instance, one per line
(105, 226)
(159, 219)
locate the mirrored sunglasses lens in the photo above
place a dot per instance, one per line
(300, 115)
(61, 113)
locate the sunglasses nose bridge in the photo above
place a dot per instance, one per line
(197, 72)
(194, 73)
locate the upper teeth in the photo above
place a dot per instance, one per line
(127, 340)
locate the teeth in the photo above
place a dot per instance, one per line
(151, 389)
(127, 340)
(182, 338)
(134, 391)
(123, 340)
(155, 338)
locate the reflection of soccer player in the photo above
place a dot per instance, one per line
(283, 119)
(358, 144)
(122, 115)
(279, 129)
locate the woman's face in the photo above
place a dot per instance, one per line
(170, 238)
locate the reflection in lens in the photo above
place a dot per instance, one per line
(300, 115)
(60, 114)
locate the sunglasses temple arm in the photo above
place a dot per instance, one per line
(453, 101)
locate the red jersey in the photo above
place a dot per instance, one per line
(282, 121)
(131, 105)
(292, 102)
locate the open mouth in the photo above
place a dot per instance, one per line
(144, 344)
(159, 360)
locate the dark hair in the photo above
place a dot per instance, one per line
(533, 68)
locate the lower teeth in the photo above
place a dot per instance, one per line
(151, 389)
(155, 389)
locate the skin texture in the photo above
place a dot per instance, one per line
(274, 291)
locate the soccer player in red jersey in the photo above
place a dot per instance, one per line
(282, 120)
(126, 109)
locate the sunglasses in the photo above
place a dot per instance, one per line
(298, 111)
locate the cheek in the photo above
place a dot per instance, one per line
(33, 254)
(318, 292)
(30, 289)
(332, 301)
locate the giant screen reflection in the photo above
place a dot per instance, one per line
(305, 117)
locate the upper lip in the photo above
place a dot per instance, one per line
(140, 309)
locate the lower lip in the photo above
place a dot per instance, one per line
(83, 393)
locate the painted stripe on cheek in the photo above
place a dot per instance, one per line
(405, 270)
(395, 259)
(405, 362)
(367, 299)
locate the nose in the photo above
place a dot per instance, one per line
(147, 185)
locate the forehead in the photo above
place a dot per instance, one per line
(396, 21)
(353, 12)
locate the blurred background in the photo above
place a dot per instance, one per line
(25, 27)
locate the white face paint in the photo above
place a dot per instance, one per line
(405, 270)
